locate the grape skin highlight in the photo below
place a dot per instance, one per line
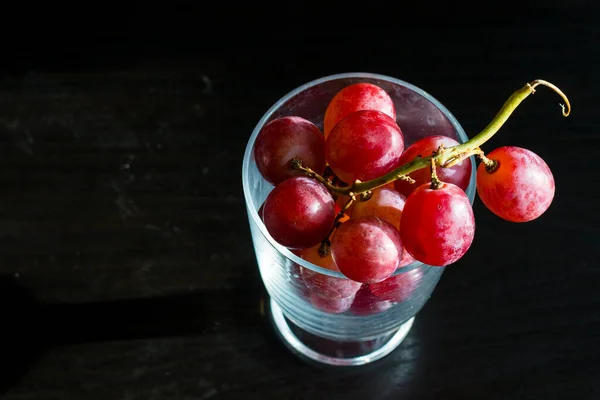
(438, 225)
(284, 139)
(364, 145)
(356, 97)
(520, 189)
(299, 212)
(366, 249)
(386, 204)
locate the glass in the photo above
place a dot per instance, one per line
(360, 328)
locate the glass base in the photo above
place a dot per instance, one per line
(325, 351)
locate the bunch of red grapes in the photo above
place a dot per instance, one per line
(424, 216)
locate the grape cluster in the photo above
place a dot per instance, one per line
(367, 235)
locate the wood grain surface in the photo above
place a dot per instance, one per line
(126, 265)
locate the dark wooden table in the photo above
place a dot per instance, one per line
(126, 265)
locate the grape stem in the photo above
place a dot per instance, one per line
(324, 249)
(444, 157)
(490, 165)
(435, 181)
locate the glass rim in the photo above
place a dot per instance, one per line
(251, 207)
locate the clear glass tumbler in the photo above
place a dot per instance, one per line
(369, 324)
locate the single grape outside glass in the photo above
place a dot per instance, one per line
(315, 324)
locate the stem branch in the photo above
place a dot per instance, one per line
(435, 182)
(326, 243)
(445, 157)
(490, 165)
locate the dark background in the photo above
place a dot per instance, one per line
(126, 265)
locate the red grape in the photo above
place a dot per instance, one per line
(356, 97)
(286, 138)
(331, 306)
(324, 285)
(365, 303)
(520, 189)
(299, 212)
(366, 249)
(364, 145)
(398, 288)
(437, 225)
(459, 174)
(386, 204)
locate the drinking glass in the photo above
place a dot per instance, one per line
(367, 325)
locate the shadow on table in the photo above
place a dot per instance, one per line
(19, 343)
(29, 327)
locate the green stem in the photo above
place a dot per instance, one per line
(490, 165)
(435, 181)
(447, 156)
(325, 247)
